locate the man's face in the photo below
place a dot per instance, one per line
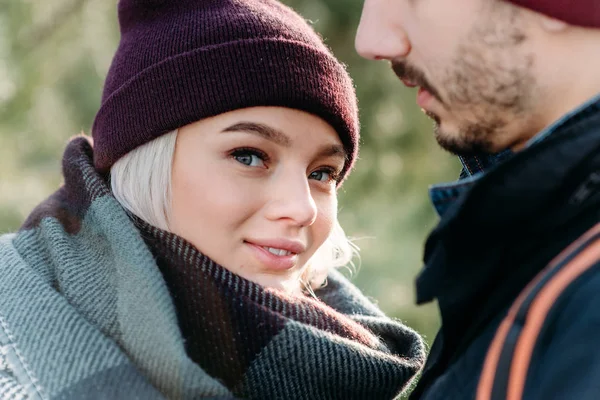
(471, 61)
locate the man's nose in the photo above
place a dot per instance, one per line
(380, 35)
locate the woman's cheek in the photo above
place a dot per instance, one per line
(327, 213)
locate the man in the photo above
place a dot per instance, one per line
(514, 90)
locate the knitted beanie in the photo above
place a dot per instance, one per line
(575, 12)
(180, 61)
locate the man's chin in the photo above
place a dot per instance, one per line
(448, 137)
(434, 117)
(459, 143)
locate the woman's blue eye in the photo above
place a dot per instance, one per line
(249, 158)
(322, 176)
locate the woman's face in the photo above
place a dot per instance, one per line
(255, 190)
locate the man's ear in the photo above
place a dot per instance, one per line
(552, 25)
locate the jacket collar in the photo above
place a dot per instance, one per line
(514, 205)
(473, 167)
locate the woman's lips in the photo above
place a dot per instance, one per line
(286, 257)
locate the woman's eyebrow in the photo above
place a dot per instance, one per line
(261, 130)
(334, 150)
(282, 139)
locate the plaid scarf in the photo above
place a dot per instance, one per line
(94, 302)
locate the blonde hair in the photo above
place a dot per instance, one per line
(141, 183)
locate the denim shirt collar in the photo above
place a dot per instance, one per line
(444, 195)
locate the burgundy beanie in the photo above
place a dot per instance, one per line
(576, 12)
(180, 61)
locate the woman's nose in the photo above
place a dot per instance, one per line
(294, 202)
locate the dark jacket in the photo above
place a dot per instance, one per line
(498, 233)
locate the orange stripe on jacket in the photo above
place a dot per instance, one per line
(535, 317)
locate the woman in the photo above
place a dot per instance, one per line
(176, 259)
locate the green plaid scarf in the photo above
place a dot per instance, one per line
(94, 305)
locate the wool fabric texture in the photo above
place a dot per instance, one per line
(185, 60)
(575, 12)
(94, 307)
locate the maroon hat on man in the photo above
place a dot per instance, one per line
(576, 12)
(180, 61)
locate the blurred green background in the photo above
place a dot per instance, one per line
(55, 54)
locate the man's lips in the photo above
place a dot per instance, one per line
(408, 83)
(424, 98)
(412, 77)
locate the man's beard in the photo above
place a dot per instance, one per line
(471, 142)
(487, 86)
(485, 98)
(476, 139)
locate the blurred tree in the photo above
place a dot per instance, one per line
(54, 56)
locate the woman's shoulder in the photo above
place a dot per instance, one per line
(8, 252)
(50, 349)
(19, 279)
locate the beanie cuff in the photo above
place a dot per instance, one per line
(197, 84)
(583, 13)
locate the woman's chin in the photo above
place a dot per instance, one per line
(291, 286)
